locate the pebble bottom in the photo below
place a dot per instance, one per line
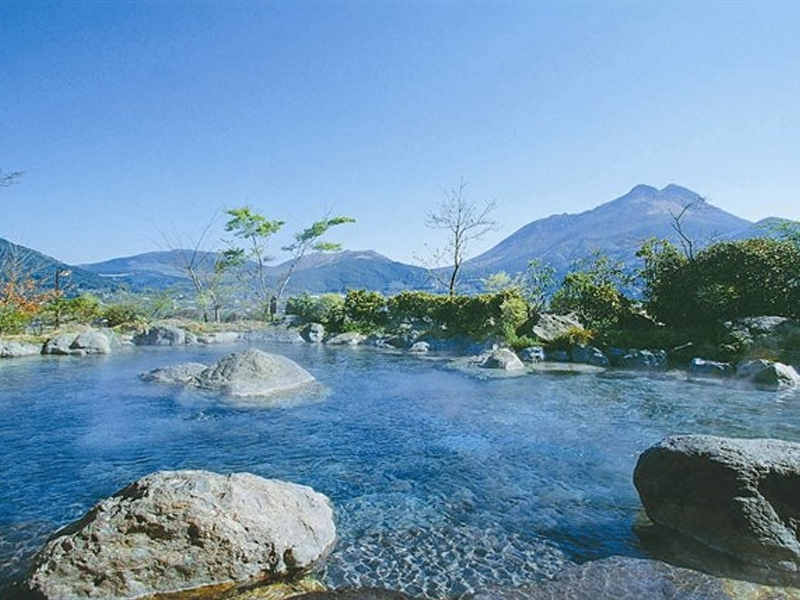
(444, 562)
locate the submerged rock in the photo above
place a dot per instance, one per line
(184, 532)
(618, 578)
(253, 373)
(738, 497)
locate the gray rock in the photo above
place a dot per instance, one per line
(533, 354)
(550, 327)
(81, 344)
(767, 374)
(253, 373)
(618, 578)
(504, 359)
(13, 349)
(221, 337)
(420, 348)
(642, 359)
(59, 344)
(161, 335)
(184, 373)
(557, 355)
(314, 333)
(739, 497)
(186, 532)
(699, 367)
(348, 338)
(589, 355)
(92, 342)
(768, 335)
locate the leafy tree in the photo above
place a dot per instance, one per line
(727, 280)
(465, 222)
(255, 230)
(593, 289)
(310, 240)
(536, 285)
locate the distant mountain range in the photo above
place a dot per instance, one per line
(618, 228)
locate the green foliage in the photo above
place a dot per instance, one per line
(573, 337)
(14, 320)
(365, 311)
(247, 224)
(327, 309)
(116, 315)
(593, 290)
(536, 285)
(309, 238)
(81, 309)
(727, 280)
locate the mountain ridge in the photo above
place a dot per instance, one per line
(617, 227)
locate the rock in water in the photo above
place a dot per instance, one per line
(504, 359)
(740, 497)
(183, 532)
(253, 373)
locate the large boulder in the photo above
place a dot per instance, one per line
(175, 534)
(161, 335)
(348, 338)
(253, 373)
(81, 344)
(767, 374)
(738, 497)
(550, 327)
(778, 336)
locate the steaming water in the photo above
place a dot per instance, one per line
(444, 480)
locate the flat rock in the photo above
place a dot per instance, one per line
(14, 349)
(183, 373)
(161, 335)
(180, 533)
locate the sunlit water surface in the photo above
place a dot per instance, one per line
(444, 480)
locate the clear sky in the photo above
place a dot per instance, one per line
(136, 121)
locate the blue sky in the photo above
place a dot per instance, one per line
(139, 121)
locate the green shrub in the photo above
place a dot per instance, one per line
(116, 315)
(327, 309)
(574, 336)
(14, 320)
(365, 311)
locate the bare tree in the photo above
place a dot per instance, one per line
(206, 269)
(465, 222)
(7, 179)
(679, 225)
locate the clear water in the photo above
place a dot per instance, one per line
(444, 480)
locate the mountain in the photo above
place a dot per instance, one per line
(151, 270)
(17, 261)
(618, 228)
(315, 273)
